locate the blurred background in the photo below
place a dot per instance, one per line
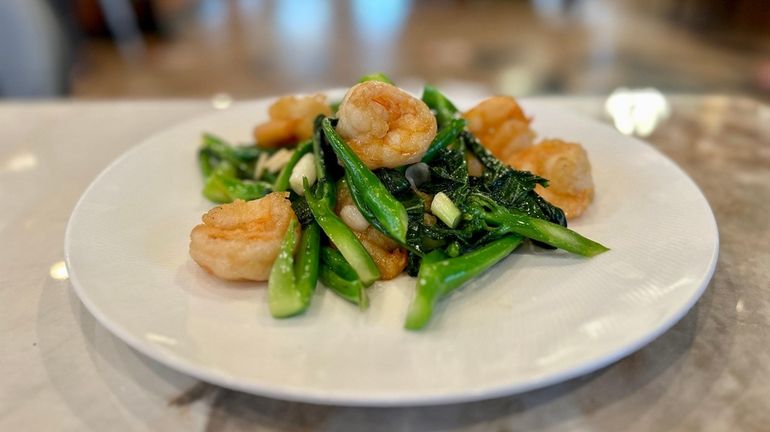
(251, 48)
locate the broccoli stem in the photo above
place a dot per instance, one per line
(282, 182)
(371, 197)
(439, 276)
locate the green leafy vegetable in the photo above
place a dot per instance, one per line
(512, 188)
(448, 174)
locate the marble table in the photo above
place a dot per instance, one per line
(61, 370)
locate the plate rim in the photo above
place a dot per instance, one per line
(394, 399)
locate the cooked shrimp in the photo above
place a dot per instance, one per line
(240, 240)
(384, 125)
(567, 169)
(291, 120)
(387, 255)
(501, 126)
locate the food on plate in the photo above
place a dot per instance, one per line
(385, 126)
(500, 124)
(392, 184)
(566, 166)
(240, 240)
(388, 256)
(291, 120)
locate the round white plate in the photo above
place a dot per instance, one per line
(537, 318)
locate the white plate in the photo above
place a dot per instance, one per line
(537, 318)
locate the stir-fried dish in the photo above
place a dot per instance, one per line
(381, 184)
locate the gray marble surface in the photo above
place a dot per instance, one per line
(61, 370)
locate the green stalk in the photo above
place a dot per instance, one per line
(283, 297)
(351, 290)
(306, 265)
(438, 277)
(443, 108)
(282, 182)
(339, 234)
(552, 234)
(336, 262)
(444, 138)
(367, 190)
(325, 185)
(505, 221)
(321, 204)
(339, 276)
(292, 281)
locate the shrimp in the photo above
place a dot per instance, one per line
(240, 240)
(291, 120)
(387, 255)
(389, 258)
(501, 126)
(385, 126)
(566, 166)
